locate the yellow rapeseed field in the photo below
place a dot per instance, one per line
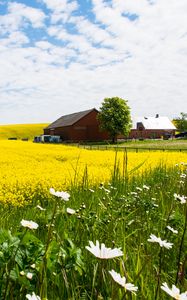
(28, 170)
(21, 131)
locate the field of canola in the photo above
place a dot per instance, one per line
(21, 131)
(28, 170)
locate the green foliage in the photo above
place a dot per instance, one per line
(181, 122)
(114, 117)
(120, 214)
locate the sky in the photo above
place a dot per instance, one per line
(63, 56)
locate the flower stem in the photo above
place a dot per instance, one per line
(11, 261)
(44, 266)
(181, 246)
(159, 272)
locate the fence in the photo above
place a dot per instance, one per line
(136, 149)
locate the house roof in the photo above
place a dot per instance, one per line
(69, 120)
(157, 122)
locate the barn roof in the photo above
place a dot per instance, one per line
(154, 123)
(69, 120)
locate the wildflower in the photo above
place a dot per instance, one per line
(113, 188)
(146, 187)
(138, 189)
(92, 191)
(174, 292)
(70, 211)
(183, 176)
(40, 208)
(122, 281)
(154, 239)
(22, 273)
(130, 222)
(33, 297)
(29, 224)
(63, 195)
(181, 182)
(33, 266)
(103, 253)
(104, 189)
(171, 229)
(181, 198)
(29, 275)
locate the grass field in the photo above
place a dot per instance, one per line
(175, 144)
(162, 144)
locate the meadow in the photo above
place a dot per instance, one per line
(133, 204)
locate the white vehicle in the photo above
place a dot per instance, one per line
(47, 139)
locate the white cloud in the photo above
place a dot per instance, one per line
(144, 60)
(61, 10)
(15, 39)
(18, 16)
(91, 31)
(34, 16)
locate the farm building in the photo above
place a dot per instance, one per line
(152, 128)
(76, 127)
(84, 126)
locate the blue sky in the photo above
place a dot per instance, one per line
(62, 56)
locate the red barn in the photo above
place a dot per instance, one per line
(76, 127)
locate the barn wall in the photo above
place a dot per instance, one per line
(150, 134)
(86, 129)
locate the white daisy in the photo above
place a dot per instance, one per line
(103, 252)
(33, 297)
(162, 243)
(40, 208)
(29, 275)
(33, 266)
(146, 187)
(70, 211)
(174, 292)
(22, 273)
(183, 176)
(122, 281)
(138, 189)
(181, 198)
(172, 230)
(29, 224)
(63, 195)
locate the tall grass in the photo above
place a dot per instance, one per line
(122, 213)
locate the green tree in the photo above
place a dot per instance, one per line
(181, 122)
(114, 117)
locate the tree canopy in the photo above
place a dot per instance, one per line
(181, 122)
(114, 117)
